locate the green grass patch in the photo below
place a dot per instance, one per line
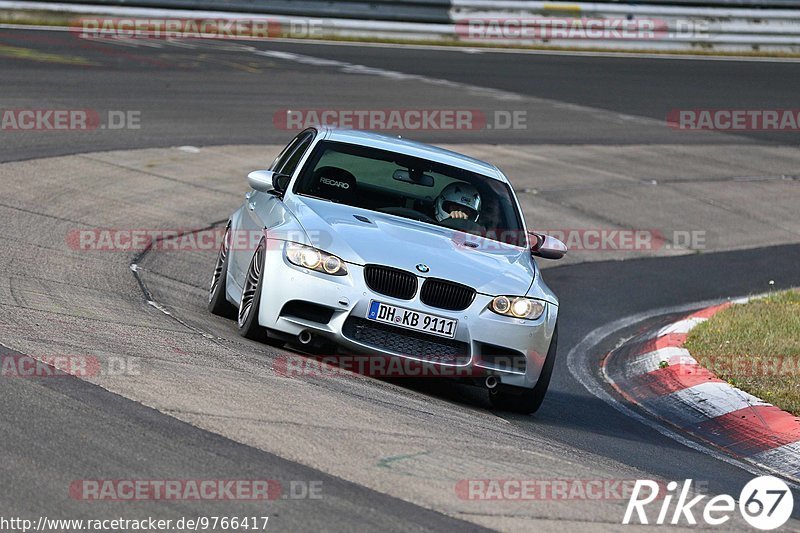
(755, 347)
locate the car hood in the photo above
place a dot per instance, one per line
(491, 268)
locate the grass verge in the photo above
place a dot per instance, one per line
(755, 347)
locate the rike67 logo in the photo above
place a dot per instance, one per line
(765, 503)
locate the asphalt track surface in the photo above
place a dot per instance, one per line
(214, 93)
(55, 431)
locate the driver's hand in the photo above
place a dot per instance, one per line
(458, 214)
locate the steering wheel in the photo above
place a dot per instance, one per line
(462, 224)
(407, 213)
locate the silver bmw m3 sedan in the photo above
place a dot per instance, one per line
(389, 248)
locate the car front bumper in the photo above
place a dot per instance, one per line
(488, 341)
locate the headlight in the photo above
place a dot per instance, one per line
(517, 307)
(313, 259)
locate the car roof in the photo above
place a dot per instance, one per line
(413, 148)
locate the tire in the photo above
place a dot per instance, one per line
(247, 319)
(527, 401)
(250, 302)
(218, 302)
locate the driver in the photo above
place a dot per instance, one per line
(458, 200)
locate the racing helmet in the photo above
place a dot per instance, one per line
(458, 196)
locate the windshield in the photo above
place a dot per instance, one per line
(410, 187)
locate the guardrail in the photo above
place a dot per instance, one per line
(390, 10)
(501, 22)
(672, 27)
(512, 5)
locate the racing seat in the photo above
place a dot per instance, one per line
(335, 184)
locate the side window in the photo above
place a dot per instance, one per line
(286, 163)
(284, 153)
(288, 149)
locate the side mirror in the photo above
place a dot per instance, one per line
(261, 180)
(547, 247)
(280, 183)
(268, 181)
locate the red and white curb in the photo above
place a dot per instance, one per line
(689, 396)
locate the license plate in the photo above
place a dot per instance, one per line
(406, 318)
